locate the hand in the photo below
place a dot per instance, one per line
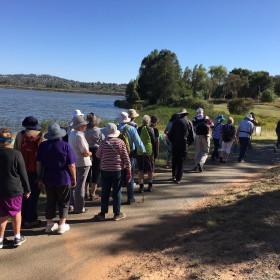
(27, 194)
(73, 183)
(128, 175)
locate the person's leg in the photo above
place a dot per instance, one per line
(215, 153)
(140, 162)
(82, 173)
(95, 172)
(3, 224)
(30, 212)
(16, 223)
(116, 182)
(106, 183)
(278, 141)
(197, 150)
(63, 194)
(243, 141)
(205, 147)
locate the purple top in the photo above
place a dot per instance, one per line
(55, 156)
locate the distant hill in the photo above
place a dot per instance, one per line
(48, 82)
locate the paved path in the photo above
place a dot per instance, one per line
(90, 248)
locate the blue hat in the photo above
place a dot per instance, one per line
(220, 118)
(31, 123)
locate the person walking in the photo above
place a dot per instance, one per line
(277, 130)
(217, 136)
(201, 124)
(134, 143)
(146, 160)
(80, 146)
(181, 135)
(14, 185)
(244, 132)
(228, 135)
(114, 161)
(56, 168)
(93, 136)
(27, 142)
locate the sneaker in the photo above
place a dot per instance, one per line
(33, 224)
(119, 216)
(51, 228)
(19, 241)
(141, 189)
(131, 201)
(178, 182)
(174, 179)
(100, 216)
(63, 228)
(5, 243)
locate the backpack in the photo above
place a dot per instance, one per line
(29, 148)
(124, 137)
(228, 132)
(201, 128)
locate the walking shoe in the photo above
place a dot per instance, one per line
(119, 216)
(19, 241)
(5, 243)
(51, 227)
(174, 179)
(129, 202)
(33, 224)
(141, 189)
(150, 188)
(63, 228)
(178, 182)
(100, 216)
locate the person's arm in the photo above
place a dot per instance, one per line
(81, 144)
(72, 170)
(18, 141)
(23, 176)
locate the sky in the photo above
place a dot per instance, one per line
(106, 40)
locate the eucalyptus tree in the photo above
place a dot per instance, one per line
(159, 77)
(199, 81)
(131, 93)
(218, 75)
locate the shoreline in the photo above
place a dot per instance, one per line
(64, 90)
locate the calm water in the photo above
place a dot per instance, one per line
(16, 104)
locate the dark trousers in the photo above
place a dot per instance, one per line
(57, 195)
(178, 158)
(278, 140)
(217, 145)
(243, 142)
(130, 185)
(111, 180)
(29, 205)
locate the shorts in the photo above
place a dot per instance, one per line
(145, 163)
(226, 147)
(10, 206)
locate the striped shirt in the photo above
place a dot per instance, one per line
(113, 155)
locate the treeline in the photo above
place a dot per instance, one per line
(47, 82)
(162, 81)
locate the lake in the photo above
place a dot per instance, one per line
(16, 104)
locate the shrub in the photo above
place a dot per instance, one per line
(194, 103)
(240, 105)
(268, 95)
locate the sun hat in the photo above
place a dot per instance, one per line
(31, 123)
(132, 114)
(199, 110)
(77, 112)
(55, 132)
(249, 116)
(220, 118)
(182, 112)
(93, 120)
(79, 121)
(123, 118)
(110, 130)
(5, 136)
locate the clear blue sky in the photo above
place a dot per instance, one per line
(106, 40)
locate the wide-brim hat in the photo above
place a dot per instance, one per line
(31, 123)
(77, 112)
(110, 130)
(220, 118)
(249, 116)
(93, 120)
(182, 112)
(123, 118)
(79, 121)
(55, 132)
(132, 113)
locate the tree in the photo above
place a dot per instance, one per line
(218, 75)
(199, 81)
(131, 92)
(259, 81)
(233, 83)
(276, 81)
(159, 77)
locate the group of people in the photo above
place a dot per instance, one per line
(69, 163)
